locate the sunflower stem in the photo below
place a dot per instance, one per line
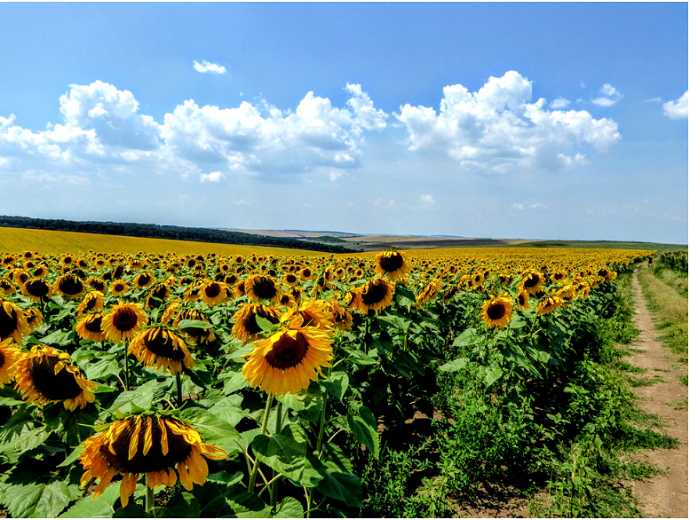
(264, 425)
(126, 370)
(178, 380)
(149, 497)
(279, 426)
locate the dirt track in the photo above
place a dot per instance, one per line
(664, 495)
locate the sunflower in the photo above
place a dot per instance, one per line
(144, 280)
(34, 318)
(531, 282)
(245, 327)
(119, 287)
(375, 295)
(497, 311)
(286, 300)
(288, 360)
(261, 287)
(93, 301)
(150, 444)
(97, 284)
(6, 287)
(13, 323)
(69, 286)
(392, 264)
(306, 274)
(9, 355)
(46, 375)
(567, 293)
(21, 276)
(37, 289)
(522, 300)
(40, 272)
(290, 279)
(341, 317)
(124, 321)
(212, 293)
(429, 292)
(171, 311)
(549, 304)
(161, 348)
(195, 335)
(91, 327)
(311, 313)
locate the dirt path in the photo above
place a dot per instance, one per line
(664, 495)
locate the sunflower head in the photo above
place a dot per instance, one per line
(213, 293)
(34, 318)
(497, 311)
(13, 323)
(262, 287)
(46, 375)
(9, 355)
(6, 287)
(124, 321)
(37, 289)
(288, 360)
(531, 282)
(311, 313)
(549, 304)
(391, 263)
(69, 286)
(429, 292)
(91, 327)
(92, 302)
(341, 317)
(150, 444)
(522, 299)
(157, 347)
(246, 327)
(375, 295)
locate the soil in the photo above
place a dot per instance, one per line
(664, 496)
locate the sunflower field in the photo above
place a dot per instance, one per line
(203, 385)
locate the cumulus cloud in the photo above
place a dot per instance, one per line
(206, 66)
(214, 177)
(559, 103)
(609, 96)
(677, 109)
(498, 128)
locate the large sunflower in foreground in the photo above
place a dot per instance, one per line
(13, 322)
(158, 348)
(375, 295)
(392, 264)
(46, 375)
(288, 360)
(149, 444)
(497, 311)
(124, 321)
(9, 355)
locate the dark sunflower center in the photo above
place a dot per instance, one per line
(288, 352)
(60, 386)
(602, 272)
(521, 299)
(8, 322)
(119, 287)
(496, 311)
(212, 290)
(37, 288)
(251, 325)
(2, 359)
(306, 273)
(93, 324)
(125, 319)
(154, 460)
(531, 281)
(98, 285)
(291, 278)
(143, 279)
(558, 276)
(264, 288)
(391, 263)
(70, 285)
(161, 344)
(374, 293)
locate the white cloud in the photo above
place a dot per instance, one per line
(677, 109)
(206, 66)
(559, 103)
(654, 100)
(427, 199)
(517, 207)
(214, 177)
(610, 96)
(539, 205)
(497, 128)
(240, 202)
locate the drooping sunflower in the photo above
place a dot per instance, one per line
(93, 301)
(375, 295)
(549, 304)
(245, 327)
(13, 323)
(150, 444)
(288, 360)
(124, 321)
(171, 311)
(531, 282)
(144, 280)
(69, 286)
(91, 327)
(522, 299)
(429, 292)
(9, 355)
(195, 335)
(119, 287)
(261, 287)
(341, 317)
(311, 313)
(6, 287)
(37, 289)
(392, 264)
(46, 375)
(157, 347)
(567, 293)
(497, 311)
(96, 284)
(34, 318)
(212, 293)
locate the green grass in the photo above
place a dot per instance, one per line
(683, 380)
(646, 381)
(679, 405)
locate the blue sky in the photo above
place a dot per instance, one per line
(488, 120)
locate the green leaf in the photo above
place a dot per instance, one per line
(455, 365)
(60, 338)
(25, 442)
(142, 398)
(493, 374)
(226, 410)
(37, 500)
(468, 337)
(337, 384)
(345, 487)
(360, 358)
(264, 324)
(101, 507)
(289, 507)
(103, 369)
(71, 458)
(182, 505)
(213, 429)
(396, 321)
(307, 402)
(365, 429)
(233, 382)
(281, 453)
(184, 325)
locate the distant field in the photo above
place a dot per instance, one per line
(58, 242)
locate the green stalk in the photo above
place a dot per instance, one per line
(126, 370)
(322, 425)
(178, 380)
(149, 497)
(279, 426)
(264, 424)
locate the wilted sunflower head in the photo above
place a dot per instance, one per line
(150, 444)
(13, 323)
(288, 360)
(497, 311)
(37, 289)
(262, 287)
(93, 301)
(124, 321)
(46, 375)
(246, 328)
(34, 318)
(69, 286)
(391, 263)
(91, 327)
(9, 355)
(341, 317)
(160, 348)
(429, 292)
(375, 295)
